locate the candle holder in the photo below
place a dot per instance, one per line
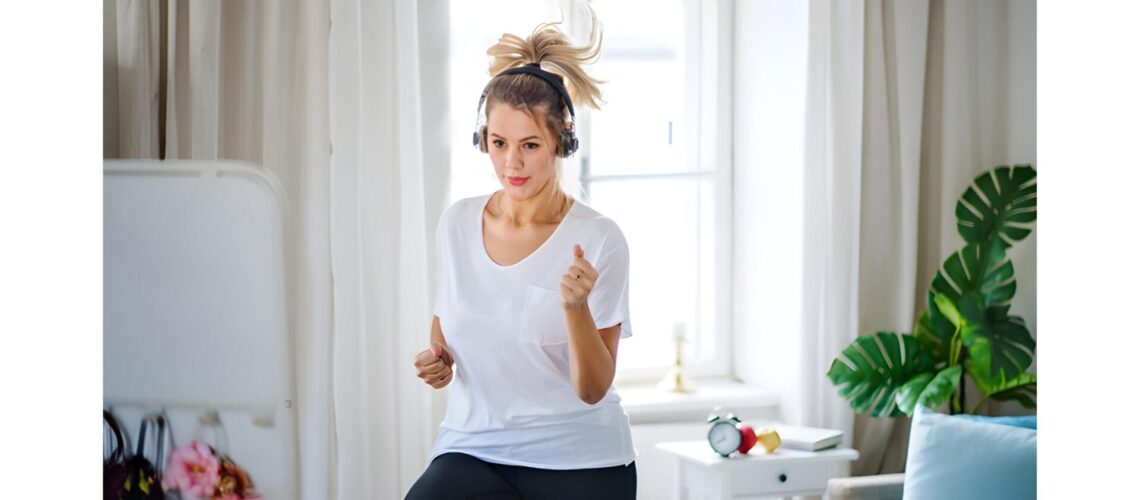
(675, 380)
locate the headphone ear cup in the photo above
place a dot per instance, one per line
(569, 143)
(481, 138)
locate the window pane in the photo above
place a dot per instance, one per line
(641, 127)
(669, 253)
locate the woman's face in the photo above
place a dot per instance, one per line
(522, 152)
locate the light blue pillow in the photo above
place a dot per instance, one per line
(1027, 421)
(955, 457)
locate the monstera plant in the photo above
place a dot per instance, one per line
(965, 330)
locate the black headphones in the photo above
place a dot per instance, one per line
(566, 137)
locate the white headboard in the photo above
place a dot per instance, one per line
(195, 313)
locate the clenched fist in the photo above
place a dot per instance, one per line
(578, 281)
(433, 365)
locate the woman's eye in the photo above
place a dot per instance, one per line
(499, 143)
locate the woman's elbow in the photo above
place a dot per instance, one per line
(590, 397)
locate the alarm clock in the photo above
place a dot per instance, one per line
(724, 436)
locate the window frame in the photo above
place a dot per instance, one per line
(708, 98)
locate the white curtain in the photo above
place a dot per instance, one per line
(890, 288)
(869, 118)
(379, 241)
(327, 95)
(831, 204)
(132, 58)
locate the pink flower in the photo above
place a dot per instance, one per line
(192, 469)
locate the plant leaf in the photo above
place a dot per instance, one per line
(984, 268)
(934, 336)
(929, 389)
(982, 272)
(870, 371)
(948, 308)
(1000, 206)
(1026, 395)
(1022, 388)
(1000, 351)
(972, 307)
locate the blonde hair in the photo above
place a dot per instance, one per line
(548, 47)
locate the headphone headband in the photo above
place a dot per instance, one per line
(568, 140)
(555, 81)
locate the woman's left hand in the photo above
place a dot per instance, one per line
(578, 281)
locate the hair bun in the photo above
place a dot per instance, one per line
(548, 46)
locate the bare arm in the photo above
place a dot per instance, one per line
(593, 354)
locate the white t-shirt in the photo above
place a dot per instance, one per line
(510, 400)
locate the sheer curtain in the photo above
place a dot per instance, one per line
(859, 124)
(890, 289)
(955, 93)
(379, 250)
(326, 95)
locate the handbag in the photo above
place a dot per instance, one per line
(115, 466)
(144, 478)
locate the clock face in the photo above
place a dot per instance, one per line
(724, 437)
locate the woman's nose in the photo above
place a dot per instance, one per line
(514, 158)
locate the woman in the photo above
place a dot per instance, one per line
(533, 297)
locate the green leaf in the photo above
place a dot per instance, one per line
(870, 371)
(934, 336)
(1000, 206)
(948, 308)
(990, 388)
(983, 275)
(1026, 395)
(972, 307)
(1000, 351)
(1022, 388)
(928, 389)
(985, 269)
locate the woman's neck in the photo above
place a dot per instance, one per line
(546, 207)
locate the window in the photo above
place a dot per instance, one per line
(639, 163)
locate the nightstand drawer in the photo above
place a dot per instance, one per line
(703, 474)
(776, 477)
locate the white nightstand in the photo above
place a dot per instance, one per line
(703, 474)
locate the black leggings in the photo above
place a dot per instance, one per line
(458, 476)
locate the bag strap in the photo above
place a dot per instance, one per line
(142, 437)
(117, 453)
(159, 440)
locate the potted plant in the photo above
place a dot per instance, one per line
(965, 329)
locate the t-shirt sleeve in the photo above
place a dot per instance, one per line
(609, 300)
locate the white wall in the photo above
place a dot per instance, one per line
(770, 91)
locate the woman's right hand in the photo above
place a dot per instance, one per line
(433, 365)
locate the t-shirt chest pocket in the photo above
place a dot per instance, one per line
(543, 321)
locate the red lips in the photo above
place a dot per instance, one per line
(517, 181)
